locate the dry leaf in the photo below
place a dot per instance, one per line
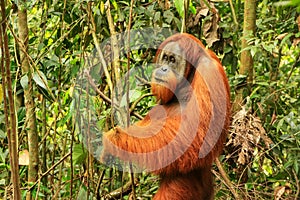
(210, 19)
(246, 135)
(279, 192)
(24, 157)
(281, 36)
(210, 29)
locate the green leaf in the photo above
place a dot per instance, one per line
(192, 8)
(49, 63)
(79, 154)
(156, 17)
(69, 114)
(279, 125)
(2, 134)
(169, 16)
(284, 40)
(253, 93)
(24, 82)
(133, 95)
(114, 3)
(179, 4)
(295, 2)
(296, 166)
(40, 79)
(2, 182)
(268, 48)
(262, 83)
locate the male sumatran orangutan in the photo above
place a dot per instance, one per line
(179, 138)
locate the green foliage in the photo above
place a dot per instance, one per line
(289, 3)
(60, 37)
(179, 4)
(79, 154)
(274, 98)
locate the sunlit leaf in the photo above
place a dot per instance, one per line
(179, 4)
(79, 154)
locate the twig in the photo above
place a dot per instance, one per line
(143, 81)
(185, 15)
(121, 116)
(293, 67)
(92, 83)
(32, 63)
(99, 183)
(127, 91)
(114, 44)
(226, 179)
(50, 169)
(297, 184)
(104, 65)
(233, 12)
(104, 97)
(10, 115)
(138, 100)
(126, 188)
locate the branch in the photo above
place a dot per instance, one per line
(293, 67)
(104, 97)
(227, 182)
(104, 65)
(92, 83)
(233, 12)
(10, 115)
(49, 170)
(124, 190)
(138, 100)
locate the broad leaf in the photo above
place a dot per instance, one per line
(40, 79)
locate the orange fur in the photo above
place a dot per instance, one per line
(179, 140)
(162, 92)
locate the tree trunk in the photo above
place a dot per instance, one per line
(246, 67)
(29, 102)
(9, 106)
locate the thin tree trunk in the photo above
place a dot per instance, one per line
(119, 115)
(9, 107)
(44, 145)
(246, 67)
(29, 102)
